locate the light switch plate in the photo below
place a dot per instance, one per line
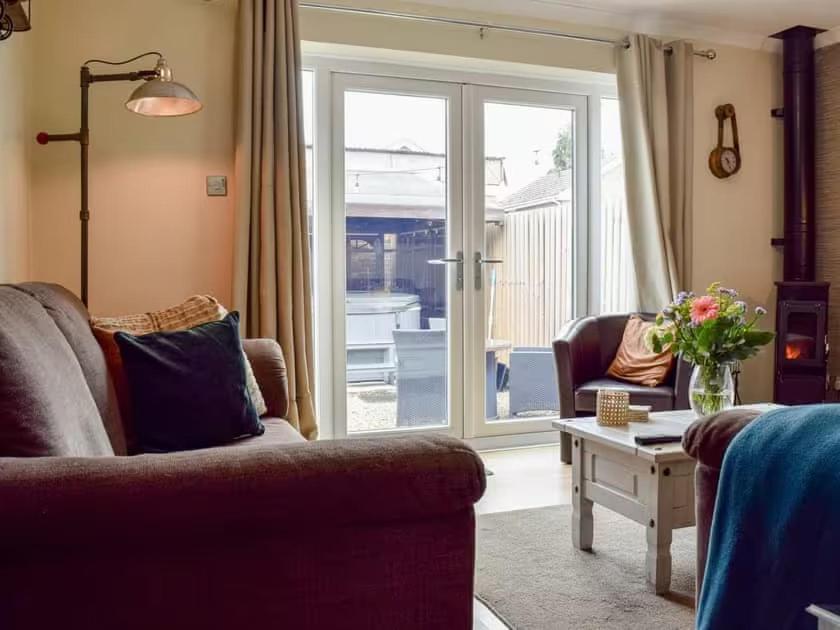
(217, 186)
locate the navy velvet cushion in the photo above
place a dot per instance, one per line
(188, 387)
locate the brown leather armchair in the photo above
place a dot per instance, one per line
(583, 352)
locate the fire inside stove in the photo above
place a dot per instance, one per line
(799, 347)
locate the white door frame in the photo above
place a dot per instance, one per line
(476, 96)
(342, 83)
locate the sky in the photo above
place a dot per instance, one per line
(524, 135)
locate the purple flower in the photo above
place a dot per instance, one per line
(729, 292)
(760, 310)
(682, 296)
(741, 305)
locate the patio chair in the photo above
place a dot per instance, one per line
(533, 385)
(437, 323)
(421, 377)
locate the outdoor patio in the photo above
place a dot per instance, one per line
(373, 407)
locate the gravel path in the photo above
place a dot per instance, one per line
(373, 407)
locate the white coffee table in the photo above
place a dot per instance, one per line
(652, 485)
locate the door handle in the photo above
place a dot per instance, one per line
(458, 261)
(479, 261)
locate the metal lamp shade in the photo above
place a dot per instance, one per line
(159, 97)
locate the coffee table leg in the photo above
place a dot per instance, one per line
(582, 523)
(659, 529)
(565, 448)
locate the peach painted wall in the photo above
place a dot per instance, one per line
(14, 164)
(156, 237)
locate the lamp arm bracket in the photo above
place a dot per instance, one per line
(123, 76)
(137, 75)
(46, 138)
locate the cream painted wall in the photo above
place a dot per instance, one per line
(156, 238)
(14, 165)
(383, 32)
(733, 219)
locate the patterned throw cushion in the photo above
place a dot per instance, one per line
(196, 310)
(634, 363)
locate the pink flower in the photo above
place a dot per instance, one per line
(704, 308)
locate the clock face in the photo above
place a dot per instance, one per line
(728, 161)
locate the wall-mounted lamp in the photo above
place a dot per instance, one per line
(14, 17)
(159, 95)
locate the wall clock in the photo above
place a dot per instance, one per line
(725, 161)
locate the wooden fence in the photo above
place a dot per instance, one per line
(618, 278)
(534, 286)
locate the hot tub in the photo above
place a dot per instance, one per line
(371, 319)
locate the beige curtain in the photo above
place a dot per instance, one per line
(655, 92)
(271, 267)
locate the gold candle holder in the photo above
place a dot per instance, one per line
(612, 407)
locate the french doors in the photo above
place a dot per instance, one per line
(458, 251)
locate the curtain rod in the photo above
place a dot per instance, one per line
(482, 26)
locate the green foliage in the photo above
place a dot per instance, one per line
(709, 330)
(562, 152)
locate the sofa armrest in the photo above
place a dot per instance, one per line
(269, 365)
(707, 439)
(577, 353)
(66, 502)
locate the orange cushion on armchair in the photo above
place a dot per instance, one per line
(634, 362)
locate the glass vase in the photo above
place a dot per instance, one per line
(711, 388)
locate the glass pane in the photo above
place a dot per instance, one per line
(618, 277)
(395, 208)
(801, 336)
(529, 215)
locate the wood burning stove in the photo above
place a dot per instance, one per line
(802, 303)
(801, 342)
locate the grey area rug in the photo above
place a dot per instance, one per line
(529, 574)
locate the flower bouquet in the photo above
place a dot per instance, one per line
(712, 332)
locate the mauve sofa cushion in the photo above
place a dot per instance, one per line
(71, 317)
(46, 407)
(278, 432)
(707, 439)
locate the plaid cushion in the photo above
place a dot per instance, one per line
(196, 310)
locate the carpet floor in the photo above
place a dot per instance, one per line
(529, 574)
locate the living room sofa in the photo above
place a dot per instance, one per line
(266, 532)
(706, 440)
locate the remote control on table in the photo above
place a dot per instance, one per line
(647, 440)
